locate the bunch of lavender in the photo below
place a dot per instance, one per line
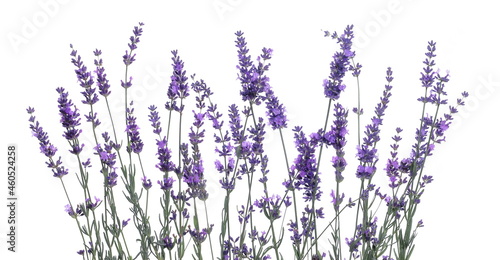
(242, 160)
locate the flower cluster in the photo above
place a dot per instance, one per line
(102, 81)
(340, 64)
(70, 120)
(129, 58)
(132, 130)
(253, 80)
(305, 169)
(178, 89)
(85, 78)
(46, 147)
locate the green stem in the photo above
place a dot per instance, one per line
(209, 233)
(265, 191)
(76, 218)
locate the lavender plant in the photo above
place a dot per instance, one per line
(258, 226)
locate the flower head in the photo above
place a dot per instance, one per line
(70, 118)
(132, 130)
(129, 58)
(275, 111)
(305, 166)
(164, 156)
(340, 65)
(102, 81)
(179, 87)
(166, 184)
(85, 78)
(253, 81)
(154, 118)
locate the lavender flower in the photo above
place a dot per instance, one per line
(214, 115)
(107, 156)
(194, 172)
(193, 177)
(166, 184)
(164, 156)
(132, 130)
(70, 119)
(69, 209)
(305, 166)
(86, 164)
(336, 201)
(46, 147)
(253, 81)
(199, 236)
(168, 242)
(111, 179)
(365, 172)
(367, 153)
(257, 136)
(393, 167)
(125, 222)
(271, 206)
(92, 205)
(146, 183)
(340, 64)
(237, 130)
(69, 115)
(178, 86)
(127, 83)
(102, 81)
(84, 78)
(427, 77)
(129, 58)
(336, 137)
(154, 118)
(275, 111)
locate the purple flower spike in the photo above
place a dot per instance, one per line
(305, 166)
(111, 180)
(84, 78)
(340, 65)
(367, 153)
(179, 87)
(164, 156)
(132, 130)
(47, 148)
(129, 58)
(154, 118)
(253, 81)
(70, 119)
(275, 111)
(102, 81)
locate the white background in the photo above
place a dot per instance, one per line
(460, 209)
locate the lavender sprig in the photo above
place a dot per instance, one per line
(46, 147)
(132, 130)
